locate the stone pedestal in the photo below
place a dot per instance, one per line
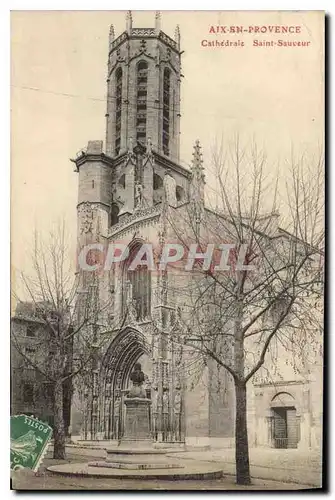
(137, 421)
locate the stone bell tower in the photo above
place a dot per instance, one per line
(143, 118)
(143, 90)
(141, 152)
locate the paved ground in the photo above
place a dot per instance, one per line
(297, 466)
(27, 480)
(282, 465)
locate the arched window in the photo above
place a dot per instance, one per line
(166, 111)
(140, 281)
(158, 189)
(141, 108)
(180, 193)
(158, 182)
(114, 214)
(122, 181)
(118, 109)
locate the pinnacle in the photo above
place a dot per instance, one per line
(197, 155)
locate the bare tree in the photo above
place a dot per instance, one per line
(71, 315)
(267, 294)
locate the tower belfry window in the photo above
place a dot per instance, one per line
(118, 109)
(166, 111)
(141, 107)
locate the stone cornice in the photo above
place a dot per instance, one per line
(163, 37)
(26, 319)
(168, 163)
(93, 204)
(90, 157)
(140, 33)
(118, 41)
(279, 383)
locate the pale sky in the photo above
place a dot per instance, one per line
(273, 93)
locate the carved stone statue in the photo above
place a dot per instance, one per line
(165, 402)
(147, 385)
(117, 403)
(154, 399)
(165, 415)
(149, 147)
(154, 410)
(169, 185)
(116, 416)
(177, 403)
(177, 415)
(138, 195)
(137, 377)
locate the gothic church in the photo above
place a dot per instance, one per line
(126, 188)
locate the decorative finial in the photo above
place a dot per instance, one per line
(158, 21)
(197, 193)
(111, 35)
(129, 21)
(177, 36)
(197, 156)
(149, 146)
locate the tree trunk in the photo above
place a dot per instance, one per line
(67, 397)
(241, 435)
(59, 434)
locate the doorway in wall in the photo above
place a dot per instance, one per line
(285, 427)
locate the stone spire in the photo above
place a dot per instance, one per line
(158, 18)
(197, 186)
(111, 36)
(197, 168)
(129, 21)
(177, 36)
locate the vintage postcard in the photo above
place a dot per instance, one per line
(167, 217)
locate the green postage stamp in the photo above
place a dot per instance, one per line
(29, 439)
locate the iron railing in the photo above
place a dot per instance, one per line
(281, 442)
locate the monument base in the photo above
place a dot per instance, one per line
(137, 421)
(191, 469)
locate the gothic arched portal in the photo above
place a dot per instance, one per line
(128, 347)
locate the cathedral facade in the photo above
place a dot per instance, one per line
(123, 189)
(130, 189)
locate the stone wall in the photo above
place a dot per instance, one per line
(24, 375)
